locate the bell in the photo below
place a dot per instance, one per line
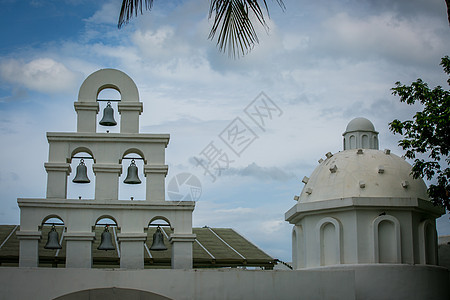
(106, 241)
(158, 241)
(108, 116)
(132, 176)
(53, 239)
(81, 176)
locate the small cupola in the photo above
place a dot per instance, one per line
(360, 134)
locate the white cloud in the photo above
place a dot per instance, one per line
(237, 210)
(108, 14)
(272, 226)
(295, 41)
(159, 42)
(262, 173)
(382, 35)
(42, 74)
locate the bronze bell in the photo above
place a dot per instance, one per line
(132, 175)
(108, 116)
(81, 176)
(158, 241)
(106, 241)
(53, 239)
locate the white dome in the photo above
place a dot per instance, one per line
(360, 124)
(363, 173)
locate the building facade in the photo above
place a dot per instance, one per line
(362, 227)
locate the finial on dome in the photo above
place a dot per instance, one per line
(360, 134)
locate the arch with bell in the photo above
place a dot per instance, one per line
(106, 241)
(129, 106)
(106, 154)
(159, 235)
(81, 178)
(132, 183)
(55, 227)
(52, 229)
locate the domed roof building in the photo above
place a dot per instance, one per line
(362, 206)
(363, 173)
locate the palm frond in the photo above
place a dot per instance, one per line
(237, 35)
(132, 7)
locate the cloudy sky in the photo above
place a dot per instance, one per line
(321, 64)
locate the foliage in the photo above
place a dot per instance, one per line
(237, 34)
(428, 133)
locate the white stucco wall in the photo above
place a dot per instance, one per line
(343, 282)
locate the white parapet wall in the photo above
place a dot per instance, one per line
(366, 282)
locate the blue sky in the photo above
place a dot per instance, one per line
(322, 64)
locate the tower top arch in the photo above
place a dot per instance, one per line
(129, 106)
(108, 79)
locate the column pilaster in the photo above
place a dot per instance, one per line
(29, 254)
(182, 250)
(132, 250)
(129, 116)
(86, 116)
(57, 179)
(155, 182)
(107, 181)
(79, 249)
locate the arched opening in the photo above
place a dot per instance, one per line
(365, 141)
(352, 142)
(430, 248)
(329, 237)
(52, 252)
(112, 293)
(294, 249)
(112, 96)
(386, 242)
(105, 248)
(129, 188)
(81, 189)
(298, 247)
(157, 244)
(328, 245)
(427, 243)
(387, 239)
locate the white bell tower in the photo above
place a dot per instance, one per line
(108, 151)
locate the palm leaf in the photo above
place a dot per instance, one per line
(132, 7)
(236, 33)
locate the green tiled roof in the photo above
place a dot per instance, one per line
(214, 247)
